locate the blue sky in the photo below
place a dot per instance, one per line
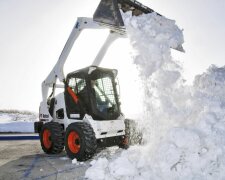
(33, 34)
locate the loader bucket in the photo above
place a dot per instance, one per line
(108, 11)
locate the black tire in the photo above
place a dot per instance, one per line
(80, 141)
(52, 138)
(133, 134)
(124, 143)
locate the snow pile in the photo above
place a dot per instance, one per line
(184, 126)
(17, 121)
(15, 115)
(197, 151)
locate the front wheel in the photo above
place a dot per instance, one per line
(80, 141)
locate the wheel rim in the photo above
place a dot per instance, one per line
(125, 141)
(74, 142)
(46, 139)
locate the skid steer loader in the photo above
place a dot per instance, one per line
(87, 114)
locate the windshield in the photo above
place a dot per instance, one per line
(104, 91)
(105, 96)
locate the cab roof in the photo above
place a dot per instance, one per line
(92, 71)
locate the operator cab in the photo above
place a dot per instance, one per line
(93, 92)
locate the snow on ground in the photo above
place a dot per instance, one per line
(17, 121)
(183, 126)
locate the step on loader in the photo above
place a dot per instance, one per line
(87, 114)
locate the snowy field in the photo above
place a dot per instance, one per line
(17, 121)
(183, 125)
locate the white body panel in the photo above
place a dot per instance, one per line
(43, 112)
(109, 128)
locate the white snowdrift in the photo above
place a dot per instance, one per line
(184, 126)
(16, 121)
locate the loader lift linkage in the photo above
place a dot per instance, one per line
(87, 114)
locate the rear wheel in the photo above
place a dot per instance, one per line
(80, 141)
(52, 138)
(124, 143)
(133, 134)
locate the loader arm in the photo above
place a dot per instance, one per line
(81, 24)
(57, 71)
(107, 16)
